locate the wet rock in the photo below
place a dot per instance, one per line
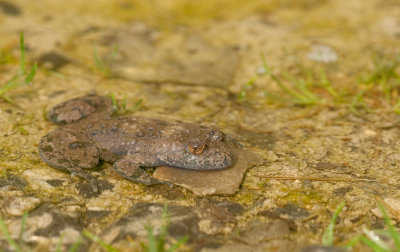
(217, 216)
(59, 221)
(258, 231)
(289, 211)
(258, 235)
(265, 140)
(38, 178)
(143, 56)
(222, 182)
(53, 60)
(166, 191)
(9, 8)
(182, 221)
(16, 206)
(343, 190)
(55, 182)
(44, 227)
(13, 181)
(86, 190)
(219, 210)
(392, 204)
(97, 214)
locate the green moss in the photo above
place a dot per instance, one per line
(302, 196)
(6, 57)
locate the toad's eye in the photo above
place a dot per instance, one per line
(196, 147)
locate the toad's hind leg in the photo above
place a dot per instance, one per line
(130, 167)
(69, 151)
(81, 107)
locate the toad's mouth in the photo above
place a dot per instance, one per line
(210, 160)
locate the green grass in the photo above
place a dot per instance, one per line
(301, 89)
(21, 78)
(312, 86)
(99, 241)
(158, 243)
(121, 107)
(327, 237)
(247, 87)
(15, 245)
(298, 88)
(385, 75)
(25, 120)
(19, 245)
(99, 63)
(357, 103)
(377, 240)
(154, 243)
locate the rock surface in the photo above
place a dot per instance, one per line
(190, 60)
(199, 61)
(217, 182)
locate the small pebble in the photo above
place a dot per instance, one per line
(16, 206)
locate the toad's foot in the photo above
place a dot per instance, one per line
(81, 107)
(130, 168)
(69, 151)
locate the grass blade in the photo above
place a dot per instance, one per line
(302, 98)
(31, 75)
(58, 248)
(152, 243)
(373, 237)
(22, 55)
(358, 101)
(176, 245)
(163, 229)
(114, 101)
(392, 231)
(6, 233)
(349, 245)
(99, 62)
(23, 225)
(8, 99)
(327, 85)
(99, 241)
(9, 85)
(372, 245)
(136, 106)
(327, 238)
(76, 245)
(243, 93)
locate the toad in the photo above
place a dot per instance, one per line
(89, 133)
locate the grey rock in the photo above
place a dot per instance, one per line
(191, 60)
(215, 182)
(16, 206)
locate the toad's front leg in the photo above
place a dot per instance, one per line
(70, 151)
(131, 167)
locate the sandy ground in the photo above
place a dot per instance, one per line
(189, 61)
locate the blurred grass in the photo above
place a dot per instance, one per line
(21, 78)
(374, 88)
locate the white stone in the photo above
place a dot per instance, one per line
(16, 206)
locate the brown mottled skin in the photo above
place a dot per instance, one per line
(89, 133)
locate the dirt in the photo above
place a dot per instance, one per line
(189, 61)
